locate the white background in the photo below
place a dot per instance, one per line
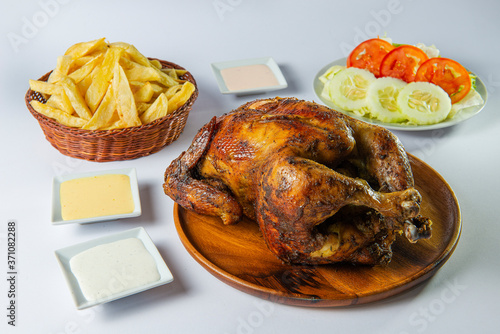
(302, 36)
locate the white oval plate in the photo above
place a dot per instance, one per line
(461, 116)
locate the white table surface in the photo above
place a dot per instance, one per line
(302, 37)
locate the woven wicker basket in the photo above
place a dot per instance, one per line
(114, 145)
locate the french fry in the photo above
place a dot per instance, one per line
(158, 109)
(136, 85)
(170, 72)
(83, 72)
(132, 53)
(58, 115)
(103, 115)
(157, 88)
(62, 68)
(116, 124)
(166, 80)
(84, 85)
(155, 63)
(138, 72)
(145, 93)
(142, 107)
(84, 48)
(173, 90)
(76, 63)
(125, 104)
(76, 99)
(174, 72)
(61, 102)
(100, 82)
(180, 72)
(44, 87)
(181, 96)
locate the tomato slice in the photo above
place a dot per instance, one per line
(402, 62)
(369, 54)
(448, 74)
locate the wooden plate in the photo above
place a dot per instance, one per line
(238, 256)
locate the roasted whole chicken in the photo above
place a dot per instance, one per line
(323, 187)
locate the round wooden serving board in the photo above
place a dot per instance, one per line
(238, 256)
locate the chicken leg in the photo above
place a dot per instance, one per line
(295, 195)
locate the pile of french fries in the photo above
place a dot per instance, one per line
(98, 85)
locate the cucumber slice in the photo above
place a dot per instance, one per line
(424, 103)
(330, 73)
(383, 99)
(348, 88)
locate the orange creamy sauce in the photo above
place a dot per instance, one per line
(249, 76)
(96, 196)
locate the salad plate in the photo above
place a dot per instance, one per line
(459, 117)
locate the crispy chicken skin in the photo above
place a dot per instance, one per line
(322, 186)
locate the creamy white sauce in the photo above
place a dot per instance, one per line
(249, 76)
(114, 267)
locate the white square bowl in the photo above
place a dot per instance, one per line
(273, 66)
(64, 256)
(57, 219)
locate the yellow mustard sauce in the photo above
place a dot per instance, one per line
(95, 196)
